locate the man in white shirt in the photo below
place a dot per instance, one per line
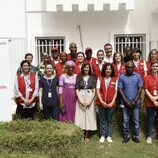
(108, 58)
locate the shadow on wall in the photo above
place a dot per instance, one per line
(95, 26)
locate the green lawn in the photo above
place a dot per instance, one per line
(94, 149)
(49, 137)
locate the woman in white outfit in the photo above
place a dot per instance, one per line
(85, 116)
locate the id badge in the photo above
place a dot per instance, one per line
(29, 89)
(49, 94)
(155, 92)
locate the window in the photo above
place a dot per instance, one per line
(44, 44)
(132, 40)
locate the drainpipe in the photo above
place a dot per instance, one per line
(80, 33)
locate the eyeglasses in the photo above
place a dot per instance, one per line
(154, 66)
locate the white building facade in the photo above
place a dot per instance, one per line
(37, 25)
(89, 23)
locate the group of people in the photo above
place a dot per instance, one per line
(75, 87)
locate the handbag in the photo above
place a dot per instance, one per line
(63, 110)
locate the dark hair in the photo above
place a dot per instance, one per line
(149, 57)
(80, 76)
(63, 53)
(152, 63)
(115, 55)
(23, 62)
(125, 48)
(105, 67)
(28, 54)
(83, 66)
(49, 63)
(136, 50)
(81, 53)
(100, 50)
(107, 44)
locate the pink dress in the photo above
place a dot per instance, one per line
(68, 91)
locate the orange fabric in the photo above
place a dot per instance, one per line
(60, 69)
(121, 71)
(77, 68)
(149, 81)
(107, 95)
(148, 64)
(140, 69)
(96, 69)
(22, 87)
(90, 60)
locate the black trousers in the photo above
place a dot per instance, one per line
(25, 112)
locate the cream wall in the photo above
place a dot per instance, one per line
(12, 17)
(97, 28)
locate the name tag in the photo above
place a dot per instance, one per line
(49, 94)
(113, 83)
(141, 64)
(155, 92)
(29, 89)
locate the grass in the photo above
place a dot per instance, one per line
(94, 149)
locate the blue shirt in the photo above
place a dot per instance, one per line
(130, 85)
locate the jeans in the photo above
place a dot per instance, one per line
(127, 112)
(150, 119)
(51, 112)
(105, 116)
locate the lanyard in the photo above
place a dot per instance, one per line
(27, 81)
(49, 83)
(155, 78)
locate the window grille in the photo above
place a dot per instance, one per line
(44, 44)
(131, 40)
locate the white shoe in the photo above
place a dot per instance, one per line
(109, 139)
(102, 139)
(149, 140)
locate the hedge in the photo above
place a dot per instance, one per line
(41, 139)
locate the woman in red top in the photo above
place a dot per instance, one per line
(119, 66)
(98, 64)
(106, 93)
(151, 90)
(119, 69)
(26, 91)
(79, 62)
(60, 66)
(153, 55)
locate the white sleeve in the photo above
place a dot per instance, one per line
(116, 85)
(35, 94)
(98, 84)
(16, 88)
(145, 67)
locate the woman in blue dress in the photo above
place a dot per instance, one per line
(48, 96)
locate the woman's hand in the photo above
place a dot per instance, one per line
(103, 103)
(109, 105)
(156, 103)
(153, 98)
(82, 104)
(41, 106)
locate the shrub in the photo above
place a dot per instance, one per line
(46, 139)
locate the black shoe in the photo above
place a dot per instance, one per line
(136, 140)
(126, 140)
